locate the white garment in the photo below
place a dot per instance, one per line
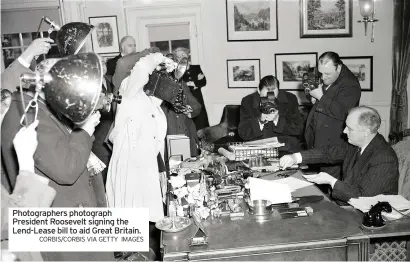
(138, 137)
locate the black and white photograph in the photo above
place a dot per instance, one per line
(243, 73)
(362, 68)
(105, 34)
(251, 20)
(330, 18)
(290, 67)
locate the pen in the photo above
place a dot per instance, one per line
(294, 214)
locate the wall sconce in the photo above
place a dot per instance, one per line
(367, 11)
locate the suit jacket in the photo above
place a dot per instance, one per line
(62, 157)
(10, 79)
(112, 64)
(101, 131)
(325, 122)
(179, 123)
(29, 192)
(375, 172)
(201, 121)
(288, 129)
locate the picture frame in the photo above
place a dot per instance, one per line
(290, 67)
(333, 18)
(104, 37)
(252, 20)
(243, 73)
(362, 68)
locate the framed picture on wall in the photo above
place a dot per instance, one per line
(243, 73)
(362, 68)
(252, 20)
(290, 67)
(330, 18)
(104, 37)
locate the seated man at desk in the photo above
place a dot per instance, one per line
(370, 165)
(285, 122)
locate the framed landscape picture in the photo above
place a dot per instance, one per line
(290, 67)
(252, 20)
(104, 37)
(330, 18)
(243, 73)
(362, 68)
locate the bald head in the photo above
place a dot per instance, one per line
(128, 45)
(367, 117)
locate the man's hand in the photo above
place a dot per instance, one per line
(287, 161)
(25, 144)
(317, 93)
(169, 64)
(91, 123)
(191, 84)
(322, 178)
(201, 76)
(38, 47)
(269, 117)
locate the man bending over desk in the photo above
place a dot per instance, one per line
(370, 166)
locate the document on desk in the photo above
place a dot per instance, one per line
(293, 183)
(267, 142)
(365, 203)
(269, 190)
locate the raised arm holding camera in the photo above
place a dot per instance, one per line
(339, 92)
(271, 112)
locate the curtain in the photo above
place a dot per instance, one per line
(401, 65)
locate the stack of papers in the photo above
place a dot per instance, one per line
(263, 143)
(365, 203)
(276, 193)
(293, 183)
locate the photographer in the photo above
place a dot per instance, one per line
(279, 118)
(62, 154)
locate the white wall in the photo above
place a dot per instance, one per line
(216, 49)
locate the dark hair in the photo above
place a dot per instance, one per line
(368, 118)
(334, 57)
(267, 81)
(5, 93)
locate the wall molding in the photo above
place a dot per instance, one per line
(155, 4)
(9, 5)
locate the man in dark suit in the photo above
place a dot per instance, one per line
(61, 157)
(127, 46)
(339, 93)
(286, 123)
(196, 80)
(100, 148)
(370, 165)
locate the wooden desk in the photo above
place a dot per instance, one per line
(322, 236)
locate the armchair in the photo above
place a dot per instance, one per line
(213, 137)
(401, 144)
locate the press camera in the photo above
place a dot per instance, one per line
(311, 80)
(164, 83)
(269, 104)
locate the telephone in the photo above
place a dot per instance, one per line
(373, 218)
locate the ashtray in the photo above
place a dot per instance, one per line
(167, 224)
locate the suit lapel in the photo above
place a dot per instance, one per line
(367, 153)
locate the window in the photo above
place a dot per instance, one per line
(168, 37)
(167, 47)
(13, 45)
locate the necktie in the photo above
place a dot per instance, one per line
(268, 129)
(357, 156)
